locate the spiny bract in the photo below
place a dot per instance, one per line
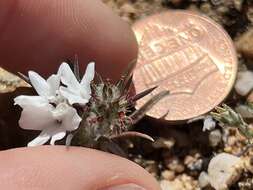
(110, 114)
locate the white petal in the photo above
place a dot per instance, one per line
(54, 84)
(68, 116)
(88, 77)
(69, 139)
(86, 93)
(68, 78)
(30, 101)
(72, 97)
(60, 111)
(37, 117)
(72, 121)
(40, 140)
(53, 132)
(57, 136)
(40, 85)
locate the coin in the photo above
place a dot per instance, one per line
(189, 55)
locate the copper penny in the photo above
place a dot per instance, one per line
(189, 55)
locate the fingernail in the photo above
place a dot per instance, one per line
(126, 187)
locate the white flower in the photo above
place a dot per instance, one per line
(39, 114)
(47, 89)
(209, 123)
(54, 122)
(75, 91)
(50, 112)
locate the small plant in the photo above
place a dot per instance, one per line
(227, 116)
(88, 111)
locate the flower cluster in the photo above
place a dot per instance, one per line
(52, 111)
(93, 114)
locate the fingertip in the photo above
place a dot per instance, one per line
(53, 167)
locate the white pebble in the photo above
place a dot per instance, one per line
(244, 83)
(203, 180)
(215, 137)
(224, 170)
(166, 185)
(244, 111)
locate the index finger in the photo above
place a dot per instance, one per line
(39, 35)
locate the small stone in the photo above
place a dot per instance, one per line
(224, 170)
(231, 141)
(168, 175)
(189, 159)
(215, 137)
(228, 149)
(203, 180)
(250, 13)
(244, 111)
(244, 83)
(196, 166)
(182, 182)
(128, 8)
(187, 182)
(248, 164)
(238, 4)
(174, 164)
(206, 7)
(167, 185)
(250, 97)
(193, 163)
(244, 44)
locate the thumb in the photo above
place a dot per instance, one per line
(39, 35)
(64, 168)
